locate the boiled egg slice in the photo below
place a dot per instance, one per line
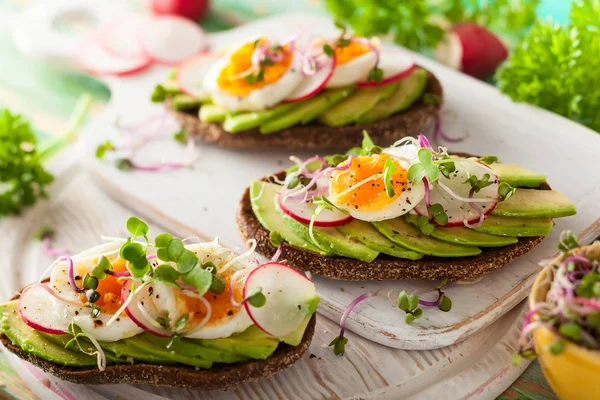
(237, 83)
(360, 189)
(352, 64)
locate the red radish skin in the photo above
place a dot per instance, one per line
(249, 279)
(324, 224)
(125, 291)
(171, 54)
(194, 68)
(473, 49)
(395, 64)
(192, 9)
(23, 312)
(455, 224)
(311, 85)
(93, 59)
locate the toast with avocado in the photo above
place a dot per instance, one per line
(268, 94)
(404, 212)
(172, 312)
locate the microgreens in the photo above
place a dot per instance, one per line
(424, 225)
(479, 183)
(252, 78)
(368, 146)
(447, 166)
(339, 343)
(96, 311)
(181, 136)
(323, 203)
(505, 191)
(182, 322)
(328, 50)
(256, 298)
(159, 94)
(90, 282)
(438, 214)
(568, 242)
(103, 148)
(44, 232)
(489, 160)
(409, 303)
(375, 75)
(136, 255)
(389, 169)
(100, 269)
(166, 274)
(425, 169)
(292, 180)
(275, 238)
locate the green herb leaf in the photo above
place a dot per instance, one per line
(389, 169)
(176, 249)
(124, 164)
(137, 228)
(489, 160)
(439, 214)
(166, 274)
(44, 232)
(375, 75)
(571, 331)
(181, 137)
(557, 347)
(159, 94)
(447, 167)
(182, 322)
(516, 359)
(328, 50)
(445, 303)
(292, 180)
(136, 255)
(409, 318)
(568, 242)
(199, 278)
(275, 238)
(589, 285)
(416, 173)
(90, 282)
(403, 301)
(103, 148)
(505, 191)
(425, 226)
(339, 345)
(479, 183)
(103, 265)
(256, 298)
(217, 285)
(162, 240)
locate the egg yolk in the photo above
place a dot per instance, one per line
(230, 80)
(220, 305)
(109, 289)
(370, 195)
(348, 53)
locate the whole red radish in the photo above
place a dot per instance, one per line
(473, 49)
(192, 9)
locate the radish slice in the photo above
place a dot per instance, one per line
(93, 58)
(458, 211)
(191, 74)
(36, 307)
(138, 311)
(313, 84)
(121, 38)
(473, 49)
(396, 64)
(301, 211)
(290, 298)
(171, 39)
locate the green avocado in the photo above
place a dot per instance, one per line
(361, 102)
(466, 236)
(263, 196)
(294, 338)
(193, 348)
(252, 343)
(409, 90)
(31, 341)
(143, 343)
(183, 102)
(62, 340)
(212, 113)
(401, 232)
(251, 120)
(121, 349)
(517, 176)
(332, 240)
(531, 203)
(307, 110)
(515, 227)
(365, 233)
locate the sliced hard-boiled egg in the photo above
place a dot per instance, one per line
(255, 76)
(352, 64)
(361, 191)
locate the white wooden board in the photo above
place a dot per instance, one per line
(203, 201)
(477, 368)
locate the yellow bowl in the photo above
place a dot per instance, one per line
(575, 372)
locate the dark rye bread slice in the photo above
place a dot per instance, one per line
(220, 376)
(383, 267)
(314, 136)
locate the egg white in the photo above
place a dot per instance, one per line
(407, 201)
(355, 70)
(258, 99)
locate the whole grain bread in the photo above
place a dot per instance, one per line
(314, 136)
(383, 267)
(220, 376)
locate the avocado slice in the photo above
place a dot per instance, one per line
(409, 90)
(183, 102)
(121, 349)
(252, 343)
(62, 340)
(193, 348)
(530, 203)
(142, 342)
(251, 120)
(466, 236)
(308, 110)
(515, 227)
(263, 196)
(517, 176)
(361, 102)
(365, 233)
(332, 240)
(31, 341)
(401, 232)
(212, 113)
(294, 338)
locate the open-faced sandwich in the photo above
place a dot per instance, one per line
(303, 93)
(172, 313)
(405, 212)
